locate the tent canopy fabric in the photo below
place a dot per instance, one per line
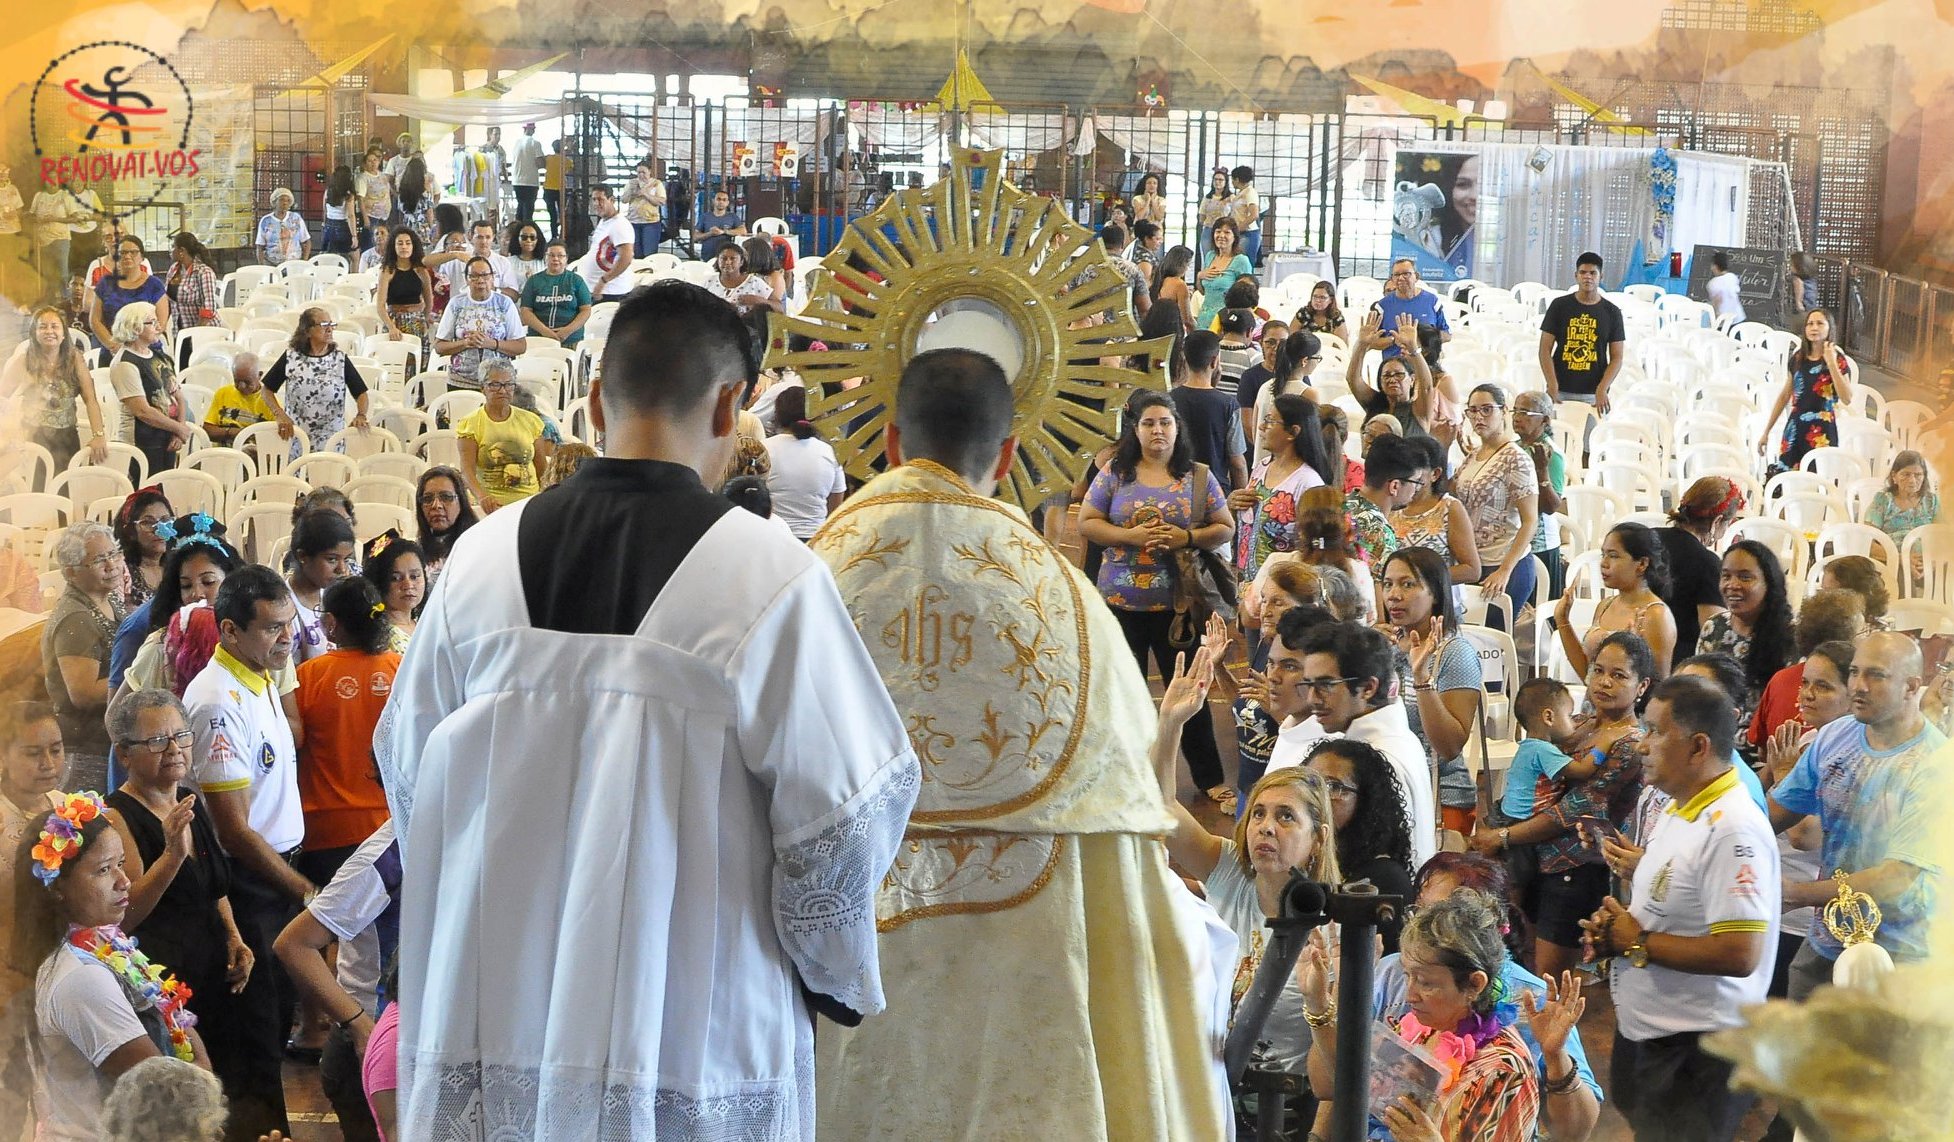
(467, 111)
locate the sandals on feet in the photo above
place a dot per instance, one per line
(1224, 798)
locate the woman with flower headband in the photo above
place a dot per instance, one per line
(397, 568)
(180, 909)
(101, 1005)
(1689, 546)
(1458, 1008)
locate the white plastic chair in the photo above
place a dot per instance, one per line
(1903, 419)
(1797, 483)
(455, 405)
(1499, 667)
(770, 226)
(358, 442)
(121, 457)
(423, 388)
(34, 464)
(402, 465)
(1933, 547)
(103, 510)
(190, 491)
(373, 519)
(334, 261)
(1785, 540)
(438, 446)
(1835, 464)
(1836, 539)
(1859, 495)
(275, 489)
(254, 527)
(230, 466)
(87, 483)
(274, 453)
(1636, 483)
(1810, 512)
(378, 489)
(1928, 617)
(404, 423)
(324, 469)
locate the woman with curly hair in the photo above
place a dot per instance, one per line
(1373, 826)
(164, 1100)
(396, 567)
(1757, 623)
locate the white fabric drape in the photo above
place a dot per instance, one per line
(1712, 201)
(472, 112)
(1533, 224)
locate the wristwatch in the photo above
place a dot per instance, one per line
(1637, 954)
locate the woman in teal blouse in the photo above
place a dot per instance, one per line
(1226, 264)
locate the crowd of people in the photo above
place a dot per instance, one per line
(261, 814)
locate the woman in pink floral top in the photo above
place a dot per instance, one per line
(1819, 380)
(1291, 435)
(1140, 509)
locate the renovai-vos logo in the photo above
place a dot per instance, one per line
(110, 112)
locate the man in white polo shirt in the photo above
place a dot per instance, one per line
(246, 765)
(1696, 936)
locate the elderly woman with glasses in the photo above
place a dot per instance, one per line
(320, 378)
(502, 446)
(1498, 485)
(75, 647)
(179, 895)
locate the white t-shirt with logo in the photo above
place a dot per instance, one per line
(456, 272)
(245, 743)
(611, 233)
(348, 908)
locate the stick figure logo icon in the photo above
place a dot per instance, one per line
(111, 122)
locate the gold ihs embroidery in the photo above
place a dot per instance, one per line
(929, 638)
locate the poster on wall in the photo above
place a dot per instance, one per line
(1434, 213)
(746, 161)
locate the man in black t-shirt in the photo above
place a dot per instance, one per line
(1249, 386)
(1209, 418)
(1582, 339)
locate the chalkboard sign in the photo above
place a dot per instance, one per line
(1761, 273)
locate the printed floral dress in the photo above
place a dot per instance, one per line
(1813, 421)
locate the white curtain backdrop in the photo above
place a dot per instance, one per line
(473, 112)
(1712, 201)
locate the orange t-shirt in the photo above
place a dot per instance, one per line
(341, 694)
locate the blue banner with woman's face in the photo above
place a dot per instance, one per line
(1435, 212)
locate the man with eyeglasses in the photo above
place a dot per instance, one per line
(1340, 679)
(1249, 384)
(1406, 297)
(246, 765)
(480, 326)
(481, 244)
(1582, 340)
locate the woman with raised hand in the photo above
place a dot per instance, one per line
(1438, 673)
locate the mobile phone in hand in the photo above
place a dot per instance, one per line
(1595, 828)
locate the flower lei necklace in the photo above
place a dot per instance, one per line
(145, 983)
(1455, 1048)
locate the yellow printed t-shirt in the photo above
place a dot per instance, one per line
(232, 409)
(505, 452)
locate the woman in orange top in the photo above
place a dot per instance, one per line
(345, 690)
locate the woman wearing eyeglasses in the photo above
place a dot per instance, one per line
(1497, 485)
(75, 648)
(441, 513)
(502, 446)
(1373, 827)
(179, 899)
(308, 386)
(142, 548)
(144, 380)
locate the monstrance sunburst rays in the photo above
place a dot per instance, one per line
(978, 254)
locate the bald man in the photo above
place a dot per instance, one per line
(1872, 781)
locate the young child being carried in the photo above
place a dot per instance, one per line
(1542, 769)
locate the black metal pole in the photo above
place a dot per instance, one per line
(1301, 910)
(1357, 909)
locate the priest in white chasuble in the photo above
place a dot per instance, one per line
(646, 780)
(1044, 979)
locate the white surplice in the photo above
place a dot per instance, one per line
(625, 854)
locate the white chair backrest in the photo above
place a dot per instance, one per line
(1499, 668)
(335, 261)
(424, 388)
(1933, 547)
(1903, 419)
(85, 484)
(1835, 464)
(1784, 539)
(404, 465)
(1859, 494)
(405, 423)
(379, 489)
(375, 518)
(1635, 482)
(231, 466)
(1809, 512)
(34, 463)
(1930, 618)
(196, 401)
(254, 527)
(324, 469)
(279, 489)
(455, 405)
(190, 491)
(274, 454)
(358, 442)
(1836, 539)
(438, 446)
(1794, 483)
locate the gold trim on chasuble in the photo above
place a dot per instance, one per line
(981, 761)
